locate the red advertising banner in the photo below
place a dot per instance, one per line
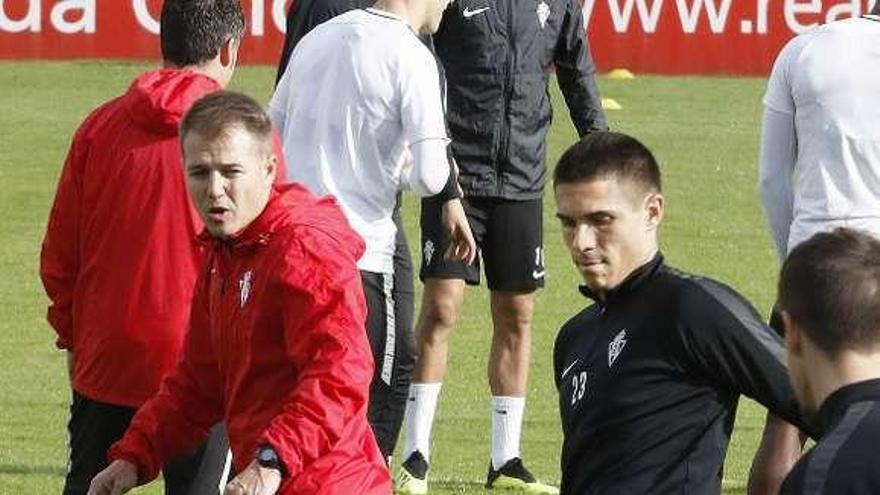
(126, 29)
(703, 36)
(645, 36)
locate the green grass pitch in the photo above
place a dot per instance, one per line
(704, 131)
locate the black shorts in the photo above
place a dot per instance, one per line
(509, 236)
(94, 426)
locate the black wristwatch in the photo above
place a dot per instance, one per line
(268, 458)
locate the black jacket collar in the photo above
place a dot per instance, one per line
(835, 406)
(630, 284)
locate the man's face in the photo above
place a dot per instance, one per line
(229, 178)
(609, 227)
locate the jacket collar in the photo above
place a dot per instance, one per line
(258, 233)
(836, 405)
(630, 284)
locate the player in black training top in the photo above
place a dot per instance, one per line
(829, 294)
(649, 376)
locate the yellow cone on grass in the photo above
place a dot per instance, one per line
(611, 104)
(621, 74)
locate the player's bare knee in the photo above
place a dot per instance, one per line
(512, 322)
(439, 315)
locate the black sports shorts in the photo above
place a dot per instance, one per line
(509, 235)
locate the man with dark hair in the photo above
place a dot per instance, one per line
(497, 57)
(119, 257)
(277, 346)
(649, 376)
(829, 298)
(220, 20)
(819, 163)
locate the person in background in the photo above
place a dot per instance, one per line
(120, 256)
(497, 57)
(649, 375)
(829, 290)
(277, 347)
(360, 107)
(819, 166)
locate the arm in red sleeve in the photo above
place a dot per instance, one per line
(60, 257)
(188, 404)
(323, 321)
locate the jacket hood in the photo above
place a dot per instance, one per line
(157, 100)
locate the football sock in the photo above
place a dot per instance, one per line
(507, 417)
(420, 407)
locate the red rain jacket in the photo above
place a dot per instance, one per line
(278, 349)
(120, 256)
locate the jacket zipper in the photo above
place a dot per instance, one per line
(508, 92)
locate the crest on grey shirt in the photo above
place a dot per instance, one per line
(428, 251)
(543, 12)
(244, 287)
(615, 347)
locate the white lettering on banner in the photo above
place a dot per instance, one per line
(844, 10)
(86, 22)
(143, 16)
(30, 21)
(647, 15)
(279, 15)
(587, 11)
(794, 7)
(257, 18)
(762, 16)
(689, 18)
(718, 13)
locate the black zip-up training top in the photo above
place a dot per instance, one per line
(498, 55)
(649, 382)
(846, 461)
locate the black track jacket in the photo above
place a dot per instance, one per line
(649, 382)
(498, 55)
(845, 462)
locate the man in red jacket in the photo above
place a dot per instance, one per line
(277, 346)
(119, 259)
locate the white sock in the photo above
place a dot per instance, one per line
(507, 417)
(420, 407)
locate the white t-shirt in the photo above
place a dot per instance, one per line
(820, 149)
(360, 92)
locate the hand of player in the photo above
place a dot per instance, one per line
(119, 477)
(254, 480)
(461, 240)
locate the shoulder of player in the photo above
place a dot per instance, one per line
(794, 481)
(696, 296)
(391, 28)
(797, 47)
(307, 259)
(576, 323)
(99, 119)
(313, 245)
